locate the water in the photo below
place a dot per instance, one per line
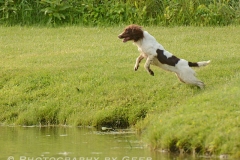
(73, 143)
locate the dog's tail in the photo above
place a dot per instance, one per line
(198, 64)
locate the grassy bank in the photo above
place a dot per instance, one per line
(117, 12)
(84, 76)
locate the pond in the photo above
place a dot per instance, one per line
(74, 143)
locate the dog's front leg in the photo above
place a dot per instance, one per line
(147, 64)
(138, 60)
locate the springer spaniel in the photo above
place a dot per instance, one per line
(155, 54)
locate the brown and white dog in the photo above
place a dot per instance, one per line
(155, 54)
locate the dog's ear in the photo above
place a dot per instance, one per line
(134, 27)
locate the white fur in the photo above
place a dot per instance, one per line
(148, 46)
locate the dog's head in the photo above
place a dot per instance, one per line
(131, 32)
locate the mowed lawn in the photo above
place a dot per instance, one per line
(84, 76)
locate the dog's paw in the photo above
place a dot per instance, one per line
(136, 68)
(151, 72)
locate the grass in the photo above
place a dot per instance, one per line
(84, 76)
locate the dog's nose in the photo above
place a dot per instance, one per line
(120, 36)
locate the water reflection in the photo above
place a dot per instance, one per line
(68, 143)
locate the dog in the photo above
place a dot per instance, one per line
(155, 54)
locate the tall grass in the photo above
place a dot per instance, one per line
(105, 13)
(84, 76)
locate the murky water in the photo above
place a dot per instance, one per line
(73, 143)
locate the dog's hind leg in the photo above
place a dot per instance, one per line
(188, 76)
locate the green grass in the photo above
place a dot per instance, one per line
(84, 76)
